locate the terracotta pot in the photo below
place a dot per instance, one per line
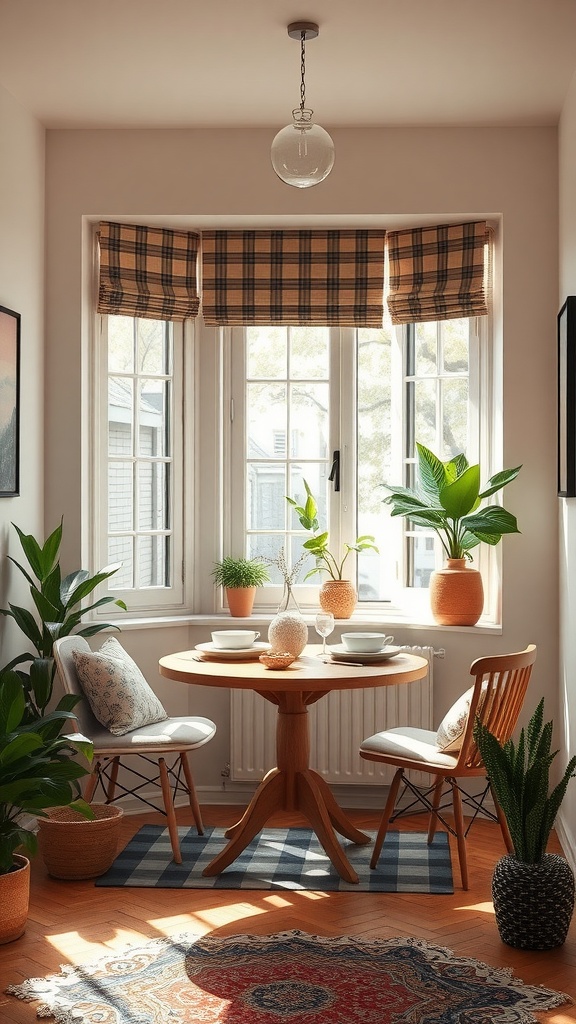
(240, 601)
(456, 594)
(338, 597)
(14, 899)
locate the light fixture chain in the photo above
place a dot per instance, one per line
(302, 70)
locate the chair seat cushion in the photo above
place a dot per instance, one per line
(118, 694)
(172, 734)
(410, 744)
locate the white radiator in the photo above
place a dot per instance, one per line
(338, 724)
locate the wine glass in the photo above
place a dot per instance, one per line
(324, 625)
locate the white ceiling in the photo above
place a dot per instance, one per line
(181, 63)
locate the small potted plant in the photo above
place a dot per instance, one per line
(240, 578)
(533, 891)
(37, 772)
(337, 593)
(447, 500)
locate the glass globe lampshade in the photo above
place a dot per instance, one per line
(302, 153)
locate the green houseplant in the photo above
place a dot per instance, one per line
(533, 891)
(341, 598)
(37, 772)
(447, 499)
(240, 578)
(58, 604)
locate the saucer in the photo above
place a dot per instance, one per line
(233, 653)
(341, 653)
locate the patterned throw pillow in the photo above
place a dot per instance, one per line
(116, 690)
(451, 729)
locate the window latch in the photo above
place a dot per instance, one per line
(334, 473)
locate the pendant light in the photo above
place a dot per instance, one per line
(302, 153)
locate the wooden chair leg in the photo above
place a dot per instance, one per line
(92, 782)
(111, 790)
(169, 808)
(460, 838)
(393, 793)
(438, 787)
(193, 799)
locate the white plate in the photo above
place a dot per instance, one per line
(233, 653)
(341, 653)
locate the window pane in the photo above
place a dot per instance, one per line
(425, 348)
(153, 561)
(121, 344)
(265, 499)
(120, 496)
(455, 346)
(120, 549)
(309, 353)
(267, 420)
(153, 348)
(309, 420)
(152, 489)
(424, 560)
(425, 413)
(120, 415)
(266, 352)
(316, 476)
(455, 417)
(152, 439)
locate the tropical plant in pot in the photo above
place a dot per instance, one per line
(240, 578)
(533, 891)
(38, 771)
(58, 604)
(447, 499)
(337, 593)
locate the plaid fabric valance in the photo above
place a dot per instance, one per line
(148, 272)
(293, 277)
(438, 273)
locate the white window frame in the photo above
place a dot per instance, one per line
(140, 601)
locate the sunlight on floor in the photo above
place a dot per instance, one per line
(482, 908)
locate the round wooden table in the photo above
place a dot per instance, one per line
(292, 785)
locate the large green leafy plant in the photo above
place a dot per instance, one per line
(58, 604)
(37, 768)
(447, 500)
(519, 776)
(326, 561)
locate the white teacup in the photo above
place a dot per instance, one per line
(234, 639)
(366, 643)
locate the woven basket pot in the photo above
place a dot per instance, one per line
(533, 903)
(338, 597)
(75, 847)
(456, 594)
(14, 899)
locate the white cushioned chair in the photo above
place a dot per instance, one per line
(153, 743)
(450, 754)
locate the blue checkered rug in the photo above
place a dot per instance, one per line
(282, 859)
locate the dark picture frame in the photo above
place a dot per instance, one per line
(9, 403)
(567, 399)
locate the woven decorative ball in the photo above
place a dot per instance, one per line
(533, 903)
(75, 847)
(288, 632)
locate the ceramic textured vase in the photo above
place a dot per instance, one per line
(456, 594)
(533, 903)
(338, 597)
(288, 631)
(14, 899)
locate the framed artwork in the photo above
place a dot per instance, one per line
(9, 403)
(567, 399)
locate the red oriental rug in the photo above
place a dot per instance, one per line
(288, 977)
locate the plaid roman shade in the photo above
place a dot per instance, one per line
(438, 273)
(293, 277)
(148, 272)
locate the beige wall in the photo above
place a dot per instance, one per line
(211, 176)
(567, 506)
(22, 289)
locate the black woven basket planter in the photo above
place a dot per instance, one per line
(533, 903)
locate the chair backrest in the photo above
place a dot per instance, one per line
(499, 691)
(86, 723)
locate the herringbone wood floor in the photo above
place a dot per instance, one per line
(73, 922)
